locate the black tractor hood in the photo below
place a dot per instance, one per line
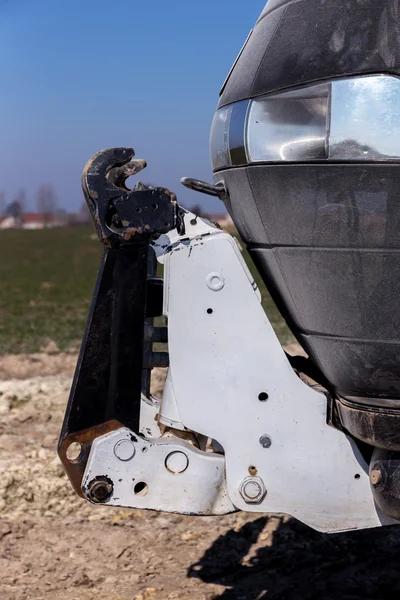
(301, 41)
(325, 234)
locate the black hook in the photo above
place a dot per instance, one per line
(121, 215)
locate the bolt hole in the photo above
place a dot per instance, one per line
(74, 452)
(193, 221)
(252, 471)
(210, 311)
(141, 488)
(155, 206)
(138, 209)
(144, 449)
(357, 476)
(166, 224)
(263, 397)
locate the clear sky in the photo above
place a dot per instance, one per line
(81, 75)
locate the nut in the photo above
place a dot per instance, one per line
(376, 476)
(252, 490)
(100, 490)
(265, 441)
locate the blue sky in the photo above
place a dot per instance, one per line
(81, 75)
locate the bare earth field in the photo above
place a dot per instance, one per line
(53, 545)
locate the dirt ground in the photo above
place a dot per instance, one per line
(53, 545)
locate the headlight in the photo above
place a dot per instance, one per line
(219, 142)
(353, 119)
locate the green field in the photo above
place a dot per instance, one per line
(47, 278)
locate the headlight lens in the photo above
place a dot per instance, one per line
(290, 126)
(352, 119)
(219, 141)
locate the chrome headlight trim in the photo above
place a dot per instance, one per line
(227, 141)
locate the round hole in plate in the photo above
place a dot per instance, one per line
(141, 488)
(138, 209)
(155, 206)
(210, 311)
(357, 476)
(263, 397)
(74, 452)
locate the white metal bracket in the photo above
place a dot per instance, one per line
(230, 380)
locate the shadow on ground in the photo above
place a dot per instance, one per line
(302, 564)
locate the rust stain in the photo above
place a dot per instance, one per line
(76, 469)
(131, 232)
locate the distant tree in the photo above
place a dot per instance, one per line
(20, 198)
(13, 209)
(16, 208)
(198, 211)
(46, 202)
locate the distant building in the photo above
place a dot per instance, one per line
(39, 220)
(9, 223)
(35, 220)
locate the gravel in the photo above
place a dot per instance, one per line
(54, 545)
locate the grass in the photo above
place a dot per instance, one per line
(46, 283)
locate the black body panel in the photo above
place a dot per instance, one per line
(300, 41)
(324, 235)
(326, 239)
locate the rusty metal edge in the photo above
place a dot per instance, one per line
(76, 468)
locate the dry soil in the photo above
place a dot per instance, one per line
(53, 545)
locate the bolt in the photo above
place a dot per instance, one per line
(265, 441)
(100, 489)
(253, 490)
(124, 450)
(376, 477)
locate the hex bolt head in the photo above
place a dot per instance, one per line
(376, 477)
(124, 450)
(252, 490)
(100, 490)
(265, 441)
